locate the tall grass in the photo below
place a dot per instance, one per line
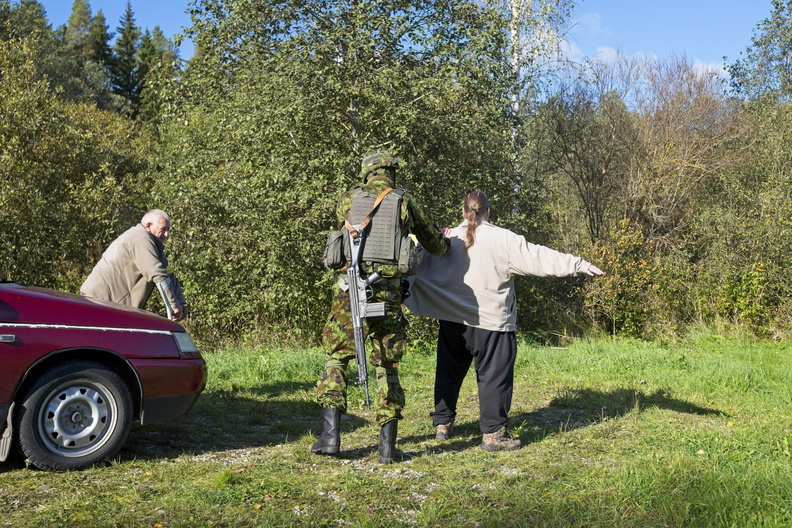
(615, 434)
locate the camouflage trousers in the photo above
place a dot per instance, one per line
(385, 345)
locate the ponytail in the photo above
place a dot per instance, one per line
(475, 209)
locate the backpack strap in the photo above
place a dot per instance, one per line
(356, 232)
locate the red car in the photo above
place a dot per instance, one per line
(75, 373)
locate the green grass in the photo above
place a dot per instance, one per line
(615, 434)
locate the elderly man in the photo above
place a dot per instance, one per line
(133, 264)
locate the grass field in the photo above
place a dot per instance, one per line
(614, 433)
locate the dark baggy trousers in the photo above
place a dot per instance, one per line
(492, 354)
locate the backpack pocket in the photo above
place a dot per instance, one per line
(334, 250)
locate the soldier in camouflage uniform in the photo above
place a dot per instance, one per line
(387, 334)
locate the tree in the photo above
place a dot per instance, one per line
(72, 176)
(157, 64)
(81, 77)
(28, 17)
(64, 56)
(97, 69)
(5, 16)
(580, 145)
(77, 34)
(83, 60)
(634, 152)
(589, 138)
(27, 20)
(643, 137)
(742, 233)
(765, 68)
(280, 107)
(535, 28)
(126, 80)
(685, 128)
(99, 41)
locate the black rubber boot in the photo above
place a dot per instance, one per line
(330, 440)
(387, 443)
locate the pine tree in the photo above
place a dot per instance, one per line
(147, 57)
(99, 40)
(29, 17)
(77, 31)
(98, 66)
(167, 51)
(126, 80)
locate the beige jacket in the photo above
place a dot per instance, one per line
(129, 269)
(477, 288)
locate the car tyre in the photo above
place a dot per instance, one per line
(73, 416)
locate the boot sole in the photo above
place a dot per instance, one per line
(326, 450)
(493, 449)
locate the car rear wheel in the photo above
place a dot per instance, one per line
(75, 415)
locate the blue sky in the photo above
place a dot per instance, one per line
(704, 30)
(169, 15)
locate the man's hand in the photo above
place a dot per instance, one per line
(179, 313)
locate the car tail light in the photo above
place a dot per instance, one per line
(186, 345)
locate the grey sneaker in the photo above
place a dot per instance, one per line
(444, 431)
(500, 441)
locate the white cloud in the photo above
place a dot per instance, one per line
(590, 26)
(703, 68)
(586, 29)
(571, 50)
(607, 54)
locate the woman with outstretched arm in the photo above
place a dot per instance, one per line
(470, 290)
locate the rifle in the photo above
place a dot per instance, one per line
(360, 307)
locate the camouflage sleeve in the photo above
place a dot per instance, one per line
(423, 227)
(343, 207)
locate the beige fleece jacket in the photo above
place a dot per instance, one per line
(477, 288)
(129, 269)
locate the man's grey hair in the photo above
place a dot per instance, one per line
(154, 215)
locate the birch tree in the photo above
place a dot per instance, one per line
(764, 69)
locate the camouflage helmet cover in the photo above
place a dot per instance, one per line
(377, 159)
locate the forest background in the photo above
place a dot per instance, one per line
(675, 182)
